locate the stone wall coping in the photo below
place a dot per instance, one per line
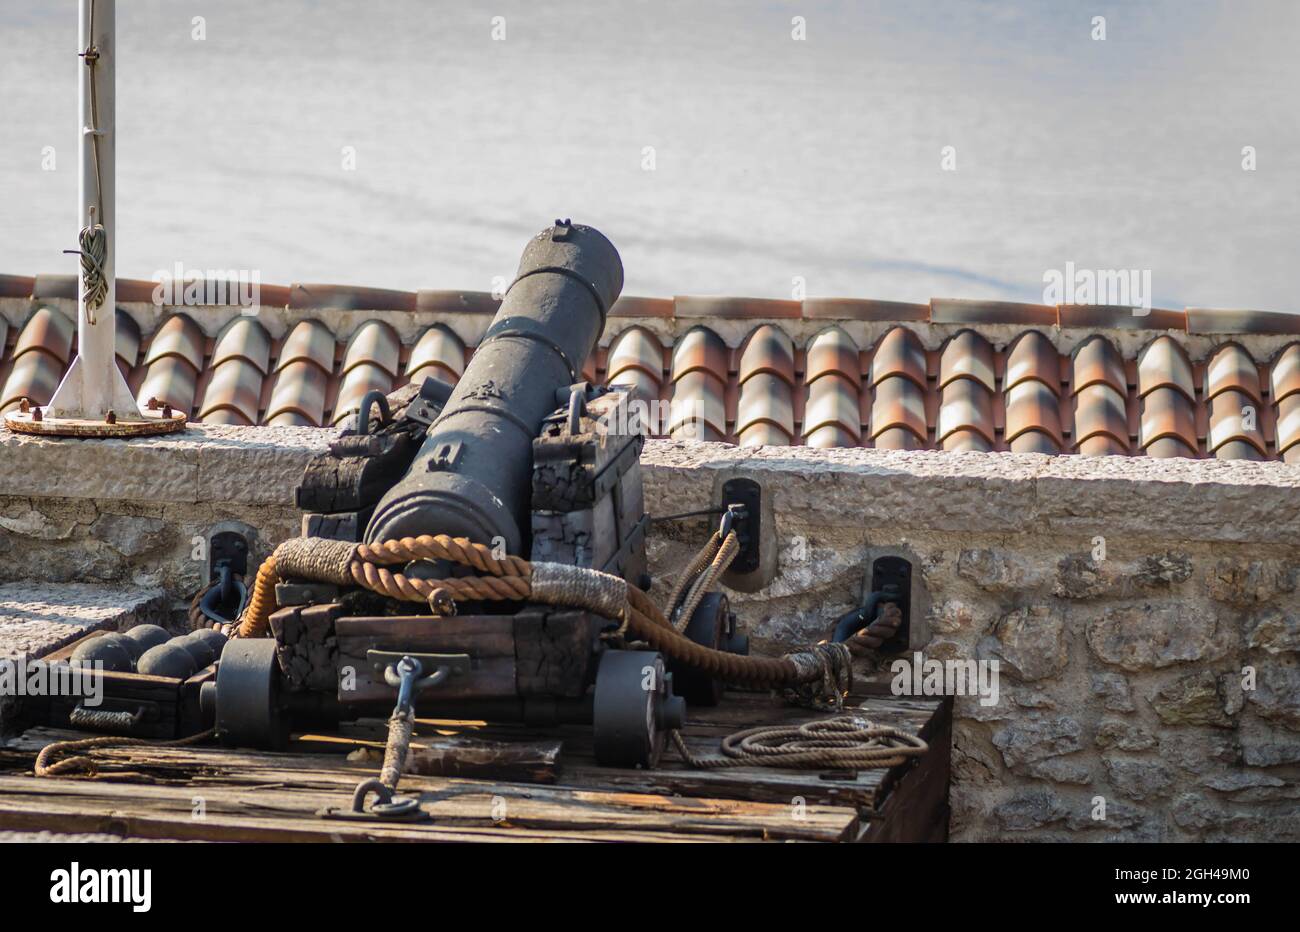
(1183, 499)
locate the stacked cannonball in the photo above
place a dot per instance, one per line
(151, 650)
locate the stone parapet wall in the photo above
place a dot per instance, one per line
(1144, 614)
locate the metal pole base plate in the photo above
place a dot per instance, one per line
(147, 424)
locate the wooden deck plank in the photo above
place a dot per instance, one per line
(251, 795)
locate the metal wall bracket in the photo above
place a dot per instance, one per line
(744, 498)
(896, 572)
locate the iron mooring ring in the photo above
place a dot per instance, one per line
(387, 806)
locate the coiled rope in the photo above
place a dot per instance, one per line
(842, 743)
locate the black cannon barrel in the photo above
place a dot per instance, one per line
(473, 475)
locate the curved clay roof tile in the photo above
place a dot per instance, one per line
(179, 337)
(700, 349)
(1234, 420)
(48, 330)
(438, 346)
(833, 402)
(1164, 364)
(636, 349)
(1097, 362)
(1033, 356)
(308, 341)
(374, 343)
(768, 350)
(1166, 412)
(362, 378)
(299, 392)
(244, 338)
(833, 352)
(899, 352)
(967, 355)
(1100, 411)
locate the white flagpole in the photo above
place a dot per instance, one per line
(94, 386)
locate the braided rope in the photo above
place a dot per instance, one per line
(85, 764)
(842, 743)
(691, 573)
(725, 555)
(462, 588)
(441, 547)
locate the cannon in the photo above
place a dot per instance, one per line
(521, 458)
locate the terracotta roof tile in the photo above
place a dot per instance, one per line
(1033, 408)
(456, 302)
(48, 330)
(1235, 419)
(630, 306)
(34, 376)
(1231, 368)
(236, 386)
(172, 380)
(178, 336)
(16, 286)
(375, 343)
(699, 375)
(1097, 362)
(308, 341)
(1032, 356)
(700, 349)
(1095, 316)
(898, 403)
(1205, 320)
(765, 414)
(1004, 386)
(855, 309)
(833, 413)
(1165, 363)
(244, 338)
(967, 355)
(1284, 374)
(899, 353)
(698, 410)
(126, 339)
(734, 308)
(1100, 389)
(438, 353)
(55, 286)
(966, 417)
(360, 379)
(636, 359)
(1167, 413)
(1288, 428)
(833, 352)
(957, 311)
(768, 350)
(349, 298)
(298, 397)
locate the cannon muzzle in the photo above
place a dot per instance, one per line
(472, 476)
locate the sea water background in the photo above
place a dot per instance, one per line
(774, 158)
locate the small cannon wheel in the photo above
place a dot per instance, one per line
(707, 626)
(250, 711)
(634, 708)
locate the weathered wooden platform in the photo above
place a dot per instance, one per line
(552, 789)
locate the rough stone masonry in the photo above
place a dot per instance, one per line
(1144, 614)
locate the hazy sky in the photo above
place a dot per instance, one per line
(773, 158)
